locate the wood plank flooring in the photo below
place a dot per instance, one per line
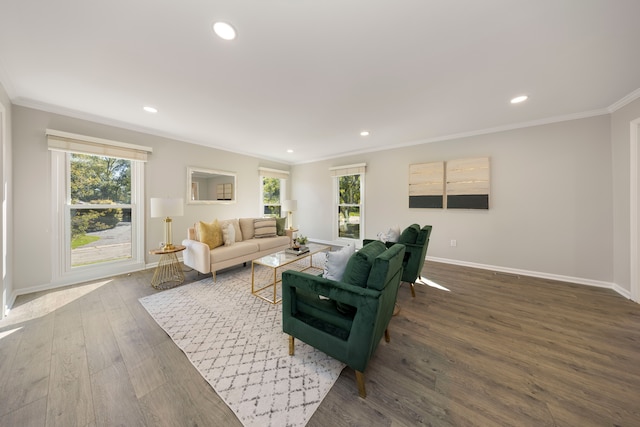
(491, 350)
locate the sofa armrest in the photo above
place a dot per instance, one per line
(197, 256)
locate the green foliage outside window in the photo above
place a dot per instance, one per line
(349, 206)
(271, 197)
(98, 180)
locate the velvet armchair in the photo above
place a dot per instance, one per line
(416, 242)
(351, 322)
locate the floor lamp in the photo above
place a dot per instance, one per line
(166, 208)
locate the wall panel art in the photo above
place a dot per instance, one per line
(468, 183)
(426, 185)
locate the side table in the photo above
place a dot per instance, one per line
(168, 273)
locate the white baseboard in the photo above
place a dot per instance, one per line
(541, 275)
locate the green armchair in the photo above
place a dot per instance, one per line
(350, 324)
(416, 241)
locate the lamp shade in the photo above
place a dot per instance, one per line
(289, 205)
(162, 208)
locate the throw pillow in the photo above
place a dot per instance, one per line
(280, 222)
(393, 234)
(228, 234)
(264, 227)
(246, 225)
(236, 228)
(336, 263)
(409, 235)
(210, 234)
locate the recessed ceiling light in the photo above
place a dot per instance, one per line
(519, 99)
(364, 133)
(224, 31)
(149, 109)
(289, 150)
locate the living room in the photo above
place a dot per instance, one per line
(560, 204)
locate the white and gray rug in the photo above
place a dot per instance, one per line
(235, 340)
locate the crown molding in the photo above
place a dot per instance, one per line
(497, 129)
(624, 101)
(68, 112)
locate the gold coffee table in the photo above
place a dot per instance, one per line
(278, 260)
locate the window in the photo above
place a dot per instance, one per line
(349, 201)
(98, 207)
(272, 191)
(271, 202)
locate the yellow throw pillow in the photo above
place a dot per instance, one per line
(211, 234)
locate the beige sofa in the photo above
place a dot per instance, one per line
(246, 248)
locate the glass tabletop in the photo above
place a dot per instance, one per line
(283, 258)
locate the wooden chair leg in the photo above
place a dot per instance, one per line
(413, 290)
(387, 337)
(291, 346)
(360, 380)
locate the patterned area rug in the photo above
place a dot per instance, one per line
(235, 340)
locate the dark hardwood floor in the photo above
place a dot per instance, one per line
(490, 350)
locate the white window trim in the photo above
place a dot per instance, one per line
(62, 273)
(336, 172)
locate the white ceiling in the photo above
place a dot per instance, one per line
(309, 75)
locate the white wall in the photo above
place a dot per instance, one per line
(6, 209)
(166, 176)
(620, 142)
(550, 204)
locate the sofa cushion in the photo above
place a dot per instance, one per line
(272, 243)
(409, 235)
(280, 224)
(336, 263)
(240, 249)
(210, 234)
(246, 227)
(264, 227)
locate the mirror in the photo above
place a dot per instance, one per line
(206, 186)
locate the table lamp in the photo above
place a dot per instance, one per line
(166, 208)
(289, 206)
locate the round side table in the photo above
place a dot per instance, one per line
(168, 273)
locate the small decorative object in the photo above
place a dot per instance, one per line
(301, 240)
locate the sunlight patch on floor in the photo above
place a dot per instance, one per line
(424, 281)
(9, 332)
(51, 301)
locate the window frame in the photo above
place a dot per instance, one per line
(62, 271)
(281, 175)
(283, 188)
(337, 174)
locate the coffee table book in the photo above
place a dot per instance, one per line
(297, 251)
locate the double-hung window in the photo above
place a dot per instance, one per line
(273, 185)
(97, 188)
(349, 201)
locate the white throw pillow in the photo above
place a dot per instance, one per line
(393, 234)
(229, 234)
(337, 262)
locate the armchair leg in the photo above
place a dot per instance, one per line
(413, 290)
(360, 380)
(291, 345)
(387, 337)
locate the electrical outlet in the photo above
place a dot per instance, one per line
(453, 243)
